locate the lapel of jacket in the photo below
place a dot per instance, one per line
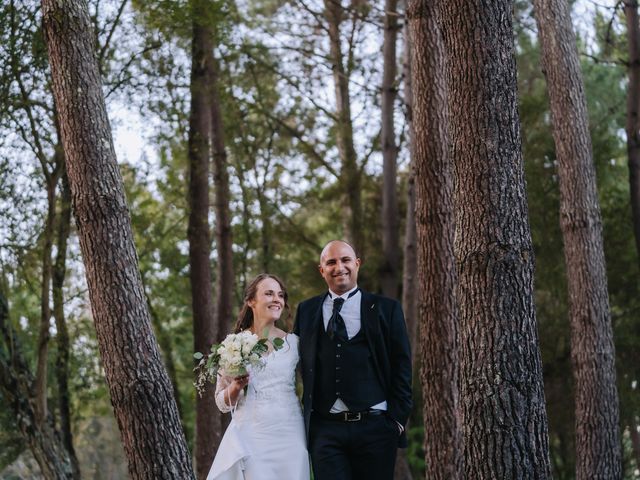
(311, 340)
(369, 321)
(370, 324)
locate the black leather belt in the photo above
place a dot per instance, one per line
(349, 416)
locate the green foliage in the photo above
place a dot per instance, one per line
(286, 202)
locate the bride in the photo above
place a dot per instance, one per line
(265, 439)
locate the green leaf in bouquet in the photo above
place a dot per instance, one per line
(260, 347)
(198, 356)
(278, 343)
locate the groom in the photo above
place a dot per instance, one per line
(356, 372)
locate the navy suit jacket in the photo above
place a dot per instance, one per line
(383, 325)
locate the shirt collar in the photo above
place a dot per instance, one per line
(345, 295)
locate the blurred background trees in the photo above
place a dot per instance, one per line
(312, 122)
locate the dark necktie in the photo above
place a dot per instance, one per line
(336, 326)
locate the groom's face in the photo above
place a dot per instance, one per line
(339, 267)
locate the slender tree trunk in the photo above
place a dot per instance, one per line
(389, 275)
(633, 114)
(140, 390)
(62, 334)
(409, 271)
(598, 453)
(435, 234)
(410, 260)
(207, 425)
(225, 277)
(350, 179)
(44, 334)
(16, 387)
(501, 389)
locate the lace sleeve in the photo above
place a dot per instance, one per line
(221, 394)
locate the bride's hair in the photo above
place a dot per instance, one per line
(245, 317)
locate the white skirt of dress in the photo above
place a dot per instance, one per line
(262, 451)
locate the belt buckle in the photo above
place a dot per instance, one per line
(352, 417)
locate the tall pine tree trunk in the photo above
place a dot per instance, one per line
(592, 351)
(350, 179)
(501, 389)
(225, 278)
(224, 240)
(410, 261)
(633, 114)
(62, 334)
(16, 387)
(44, 333)
(140, 390)
(207, 425)
(389, 274)
(436, 263)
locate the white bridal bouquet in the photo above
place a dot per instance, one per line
(236, 352)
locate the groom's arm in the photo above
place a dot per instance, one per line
(296, 323)
(400, 399)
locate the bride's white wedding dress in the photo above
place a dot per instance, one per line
(265, 439)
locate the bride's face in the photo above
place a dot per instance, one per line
(268, 302)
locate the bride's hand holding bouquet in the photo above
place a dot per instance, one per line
(232, 357)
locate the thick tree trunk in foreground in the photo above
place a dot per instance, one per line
(16, 386)
(504, 418)
(436, 263)
(140, 390)
(390, 271)
(598, 453)
(633, 114)
(207, 425)
(350, 179)
(62, 334)
(166, 348)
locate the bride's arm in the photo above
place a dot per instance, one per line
(228, 390)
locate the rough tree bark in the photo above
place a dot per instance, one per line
(140, 390)
(350, 179)
(165, 342)
(633, 114)
(501, 390)
(437, 309)
(16, 386)
(207, 425)
(62, 334)
(389, 272)
(598, 453)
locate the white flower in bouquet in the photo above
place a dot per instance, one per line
(232, 357)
